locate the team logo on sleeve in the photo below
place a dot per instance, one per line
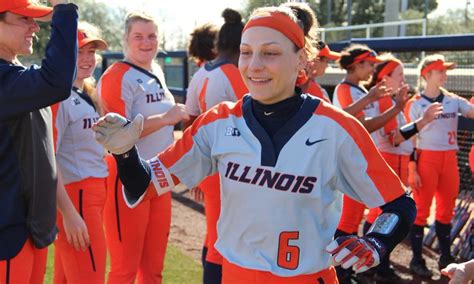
(232, 131)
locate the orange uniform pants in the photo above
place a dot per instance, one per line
(28, 266)
(136, 238)
(70, 265)
(212, 206)
(399, 164)
(439, 175)
(233, 274)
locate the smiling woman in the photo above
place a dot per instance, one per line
(283, 159)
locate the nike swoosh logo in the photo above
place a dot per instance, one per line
(268, 113)
(311, 143)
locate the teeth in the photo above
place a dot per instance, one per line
(259, 79)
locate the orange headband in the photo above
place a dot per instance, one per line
(280, 22)
(437, 65)
(388, 68)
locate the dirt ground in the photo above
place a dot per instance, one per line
(188, 228)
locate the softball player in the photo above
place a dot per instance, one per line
(137, 239)
(437, 161)
(280, 182)
(394, 141)
(29, 186)
(217, 81)
(359, 62)
(82, 167)
(317, 68)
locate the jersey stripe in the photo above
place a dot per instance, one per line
(202, 95)
(54, 110)
(111, 95)
(222, 111)
(406, 111)
(386, 181)
(235, 79)
(315, 90)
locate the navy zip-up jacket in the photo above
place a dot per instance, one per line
(27, 165)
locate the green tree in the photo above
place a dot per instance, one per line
(108, 18)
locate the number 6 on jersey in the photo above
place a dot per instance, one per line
(288, 255)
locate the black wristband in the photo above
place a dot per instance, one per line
(413, 156)
(408, 130)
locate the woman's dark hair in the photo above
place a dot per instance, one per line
(230, 32)
(201, 45)
(350, 53)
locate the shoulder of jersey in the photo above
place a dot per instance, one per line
(117, 67)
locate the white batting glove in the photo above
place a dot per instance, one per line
(360, 253)
(116, 133)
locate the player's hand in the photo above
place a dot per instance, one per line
(176, 114)
(56, 2)
(458, 273)
(76, 230)
(197, 193)
(402, 97)
(379, 91)
(414, 180)
(116, 133)
(432, 111)
(360, 253)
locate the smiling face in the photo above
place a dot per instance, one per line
(86, 61)
(16, 35)
(142, 43)
(364, 70)
(396, 79)
(269, 64)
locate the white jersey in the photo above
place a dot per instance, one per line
(78, 155)
(130, 90)
(347, 93)
(213, 84)
(441, 133)
(385, 135)
(276, 198)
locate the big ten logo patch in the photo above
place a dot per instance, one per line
(155, 97)
(88, 122)
(232, 131)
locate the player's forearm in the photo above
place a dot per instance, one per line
(134, 173)
(63, 202)
(153, 123)
(374, 123)
(358, 106)
(393, 225)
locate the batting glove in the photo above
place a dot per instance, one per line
(360, 253)
(116, 133)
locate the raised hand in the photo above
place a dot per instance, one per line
(116, 133)
(379, 91)
(176, 114)
(402, 97)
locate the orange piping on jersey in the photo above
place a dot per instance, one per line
(383, 177)
(54, 110)
(406, 111)
(235, 78)
(222, 111)
(202, 96)
(315, 90)
(344, 97)
(111, 88)
(384, 104)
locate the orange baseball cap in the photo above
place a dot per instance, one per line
(25, 8)
(324, 51)
(83, 39)
(437, 65)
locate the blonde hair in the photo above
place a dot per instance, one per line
(303, 16)
(130, 19)
(423, 63)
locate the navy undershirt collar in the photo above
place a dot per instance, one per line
(288, 117)
(438, 99)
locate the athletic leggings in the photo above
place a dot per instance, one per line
(70, 265)
(136, 238)
(28, 266)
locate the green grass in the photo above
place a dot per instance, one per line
(179, 268)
